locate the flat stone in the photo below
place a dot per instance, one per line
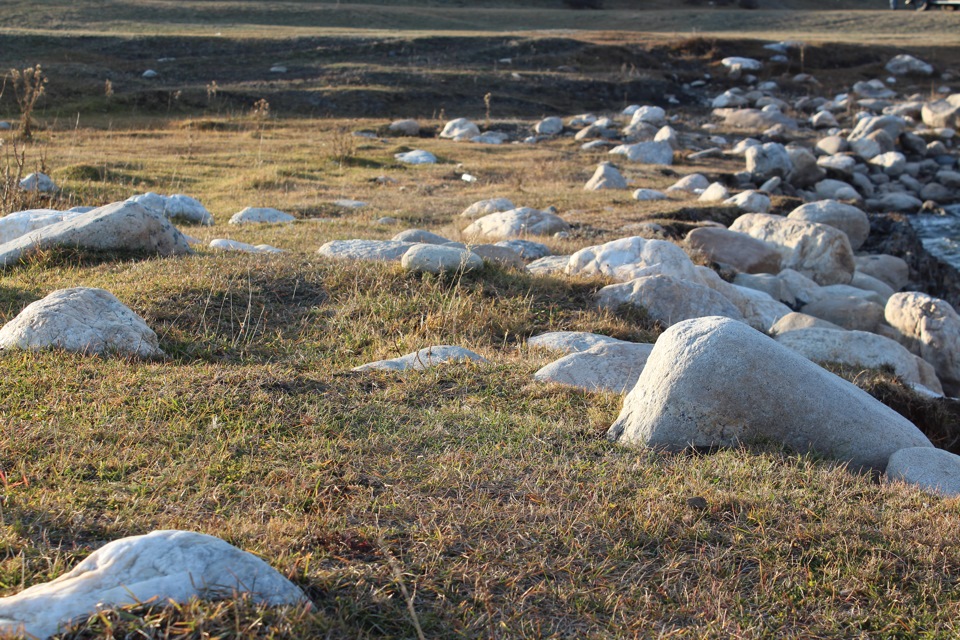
(571, 341)
(417, 156)
(158, 567)
(612, 367)
(715, 382)
(527, 249)
(419, 236)
(371, 250)
(232, 245)
(260, 215)
(424, 359)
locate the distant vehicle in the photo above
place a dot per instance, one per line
(923, 5)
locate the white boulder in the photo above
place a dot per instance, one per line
(417, 156)
(488, 206)
(750, 202)
(368, 250)
(38, 182)
(158, 567)
(224, 244)
(84, 320)
(649, 152)
(122, 226)
(460, 129)
(930, 328)
(605, 177)
(932, 470)
(629, 258)
(571, 341)
(715, 382)
(847, 218)
(905, 64)
(176, 207)
(21, 223)
(668, 300)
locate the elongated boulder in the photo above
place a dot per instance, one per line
(517, 223)
(424, 359)
(858, 348)
(630, 258)
(176, 207)
(818, 251)
(122, 226)
(156, 567)
(370, 250)
(84, 320)
(668, 300)
(488, 206)
(715, 382)
(930, 328)
(611, 367)
(267, 215)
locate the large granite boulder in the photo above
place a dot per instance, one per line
(715, 382)
(818, 251)
(122, 226)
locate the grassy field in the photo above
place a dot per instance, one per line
(465, 501)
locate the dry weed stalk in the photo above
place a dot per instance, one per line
(28, 86)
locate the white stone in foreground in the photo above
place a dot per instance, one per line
(423, 359)
(714, 382)
(932, 470)
(606, 176)
(373, 250)
(122, 226)
(156, 567)
(268, 215)
(612, 367)
(84, 320)
(460, 129)
(571, 341)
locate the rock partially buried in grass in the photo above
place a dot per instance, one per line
(613, 367)
(417, 156)
(485, 207)
(233, 245)
(433, 258)
(419, 235)
(714, 382)
(122, 226)
(84, 320)
(266, 215)
(424, 359)
(375, 250)
(932, 470)
(157, 567)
